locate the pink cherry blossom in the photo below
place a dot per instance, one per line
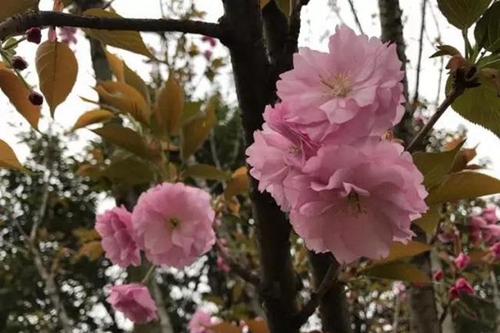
(438, 275)
(222, 265)
(135, 301)
(481, 228)
(279, 150)
(358, 81)
(199, 321)
(118, 239)
(461, 286)
(173, 224)
(67, 35)
(490, 215)
(461, 261)
(354, 201)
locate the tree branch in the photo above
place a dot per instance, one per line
(241, 271)
(420, 51)
(454, 93)
(18, 24)
(355, 14)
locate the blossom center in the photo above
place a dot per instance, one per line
(173, 222)
(293, 149)
(339, 85)
(353, 196)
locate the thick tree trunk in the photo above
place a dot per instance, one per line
(333, 309)
(255, 89)
(423, 311)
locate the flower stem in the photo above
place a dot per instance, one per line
(148, 274)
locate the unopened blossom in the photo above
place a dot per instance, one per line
(199, 322)
(118, 240)
(35, 98)
(461, 286)
(173, 224)
(490, 215)
(135, 301)
(34, 35)
(222, 265)
(357, 81)
(210, 40)
(354, 201)
(438, 275)
(461, 261)
(19, 63)
(279, 150)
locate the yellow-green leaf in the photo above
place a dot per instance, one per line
(93, 250)
(125, 98)
(57, 70)
(206, 171)
(17, 93)
(257, 326)
(86, 235)
(92, 117)
(429, 221)
(400, 271)
(434, 166)
(237, 184)
(127, 40)
(487, 31)
(195, 132)
(400, 251)
(464, 185)
(224, 327)
(169, 107)
(8, 158)
(117, 66)
(12, 7)
(125, 138)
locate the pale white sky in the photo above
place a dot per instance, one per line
(319, 22)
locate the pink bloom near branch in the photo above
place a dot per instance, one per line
(135, 301)
(321, 156)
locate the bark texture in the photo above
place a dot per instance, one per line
(423, 311)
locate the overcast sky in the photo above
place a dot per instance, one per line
(319, 21)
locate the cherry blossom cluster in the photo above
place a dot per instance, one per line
(321, 156)
(171, 223)
(483, 233)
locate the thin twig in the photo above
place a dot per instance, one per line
(420, 51)
(291, 45)
(325, 285)
(241, 271)
(454, 93)
(18, 24)
(355, 14)
(444, 314)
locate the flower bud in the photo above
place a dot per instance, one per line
(34, 35)
(35, 98)
(19, 63)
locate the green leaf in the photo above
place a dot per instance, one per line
(8, 158)
(399, 271)
(480, 105)
(195, 132)
(92, 117)
(224, 327)
(285, 6)
(400, 251)
(127, 40)
(206, 171)
(463, 13)
(125, 138)
(434, 166)
(487, 31)
(169, 107)
(129, 171)
(237, 184)
(445, 50)
(12, 7)
(463, 185)
(57, 70)
(429, 221)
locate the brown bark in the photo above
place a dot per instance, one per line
(423, 311)
(333, 309)
(255, 88)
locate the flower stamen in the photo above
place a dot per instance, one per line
(339, 85)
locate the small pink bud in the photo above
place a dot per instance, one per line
(35, 98)
(212, 41)
(438, 275)
(461, 286)
(207, 54)
(34, 35)
(462, 261)
(19, 63)
(495, 250)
